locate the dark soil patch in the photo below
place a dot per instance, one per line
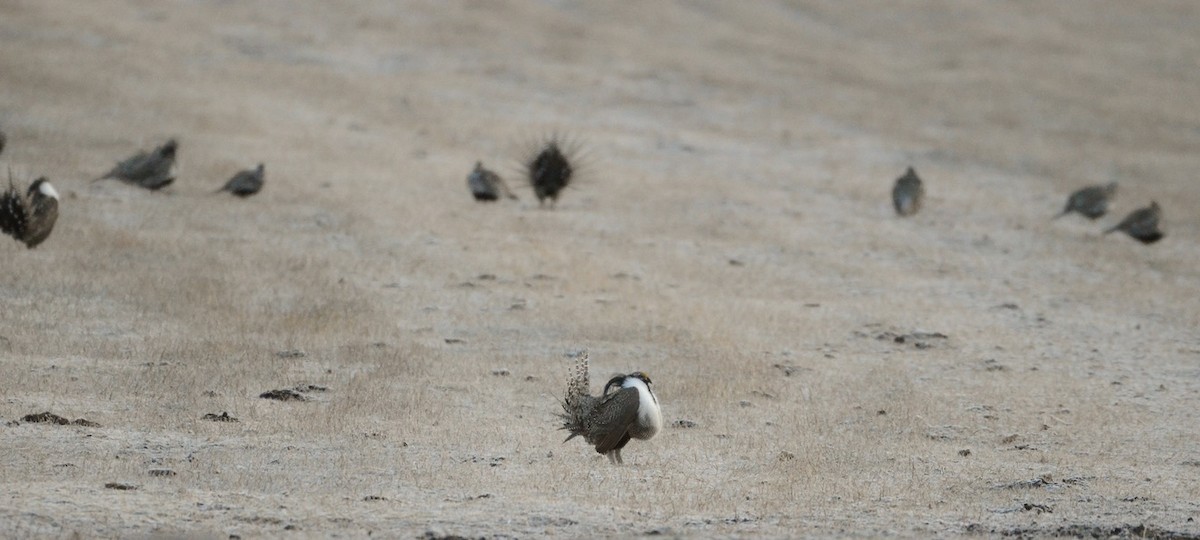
(51, 418)
(283, 395)
(1040, 482)
(45, 418)
(223, 417)
(293, 394)
(1087, 531)
(494, 461)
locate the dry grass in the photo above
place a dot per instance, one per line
(732, 236)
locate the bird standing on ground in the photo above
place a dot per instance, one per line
(245, 183)
(1142, 224)
(486, 185)
(29, 217)
(549, 172)
(151, 170)
(3, 141)
(908, 193)
(626, 409)
(1091, 201)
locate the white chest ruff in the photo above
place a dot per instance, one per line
(649, 414)
(48, 190)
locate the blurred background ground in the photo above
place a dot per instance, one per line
(977, 368)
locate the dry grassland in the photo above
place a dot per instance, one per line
(731, 234)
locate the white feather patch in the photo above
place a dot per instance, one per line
(48, 190)
(649, 413)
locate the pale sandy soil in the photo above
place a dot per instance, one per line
(731, 233)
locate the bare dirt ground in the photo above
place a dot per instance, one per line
(731, 234)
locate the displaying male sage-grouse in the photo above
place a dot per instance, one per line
(245, 183)
(1142, 224)
(1091, 201)
(550, 172)
(29, 217)
(486, 185)
(626, 409)
(908, 193)
(152, 170)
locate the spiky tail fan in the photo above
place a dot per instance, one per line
(12, 210)
(578, 403)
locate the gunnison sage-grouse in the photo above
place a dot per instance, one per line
(626, 409)
(245, 183)
(1142, 224)
(152, 170)
(29, 217)
(908, 193)
(1090, 202)
(486, 185)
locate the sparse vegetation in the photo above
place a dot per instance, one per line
(824, 367)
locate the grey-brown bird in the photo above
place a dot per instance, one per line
(152, 170)
(1142, 224)
(487, 186)
(908, 193)
(29, 217)
(3, 141)
(550, 172)
(626, 409)
(245, 183)
(1090, 202)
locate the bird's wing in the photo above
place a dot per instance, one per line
(1146, 223)
(43, 215)
(161, 165)
(612, 418)
(238, 180)
(135, 164)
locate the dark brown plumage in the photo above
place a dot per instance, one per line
(626, 409)
(1090, 202)
(3, 141)
(908, 193)
(487, 186)
(152, 170)
(29, 217)
(1142, 224)
(245, 183)
(550, 172)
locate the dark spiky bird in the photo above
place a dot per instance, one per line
(245, 183)
(626, 409)
(29, 217)
(152, 170)
(486, 185)
(550, 172)
(1090, 201)
(908, 193)
(1142, 224)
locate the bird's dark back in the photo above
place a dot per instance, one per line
(550, 172)
(908, 193)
